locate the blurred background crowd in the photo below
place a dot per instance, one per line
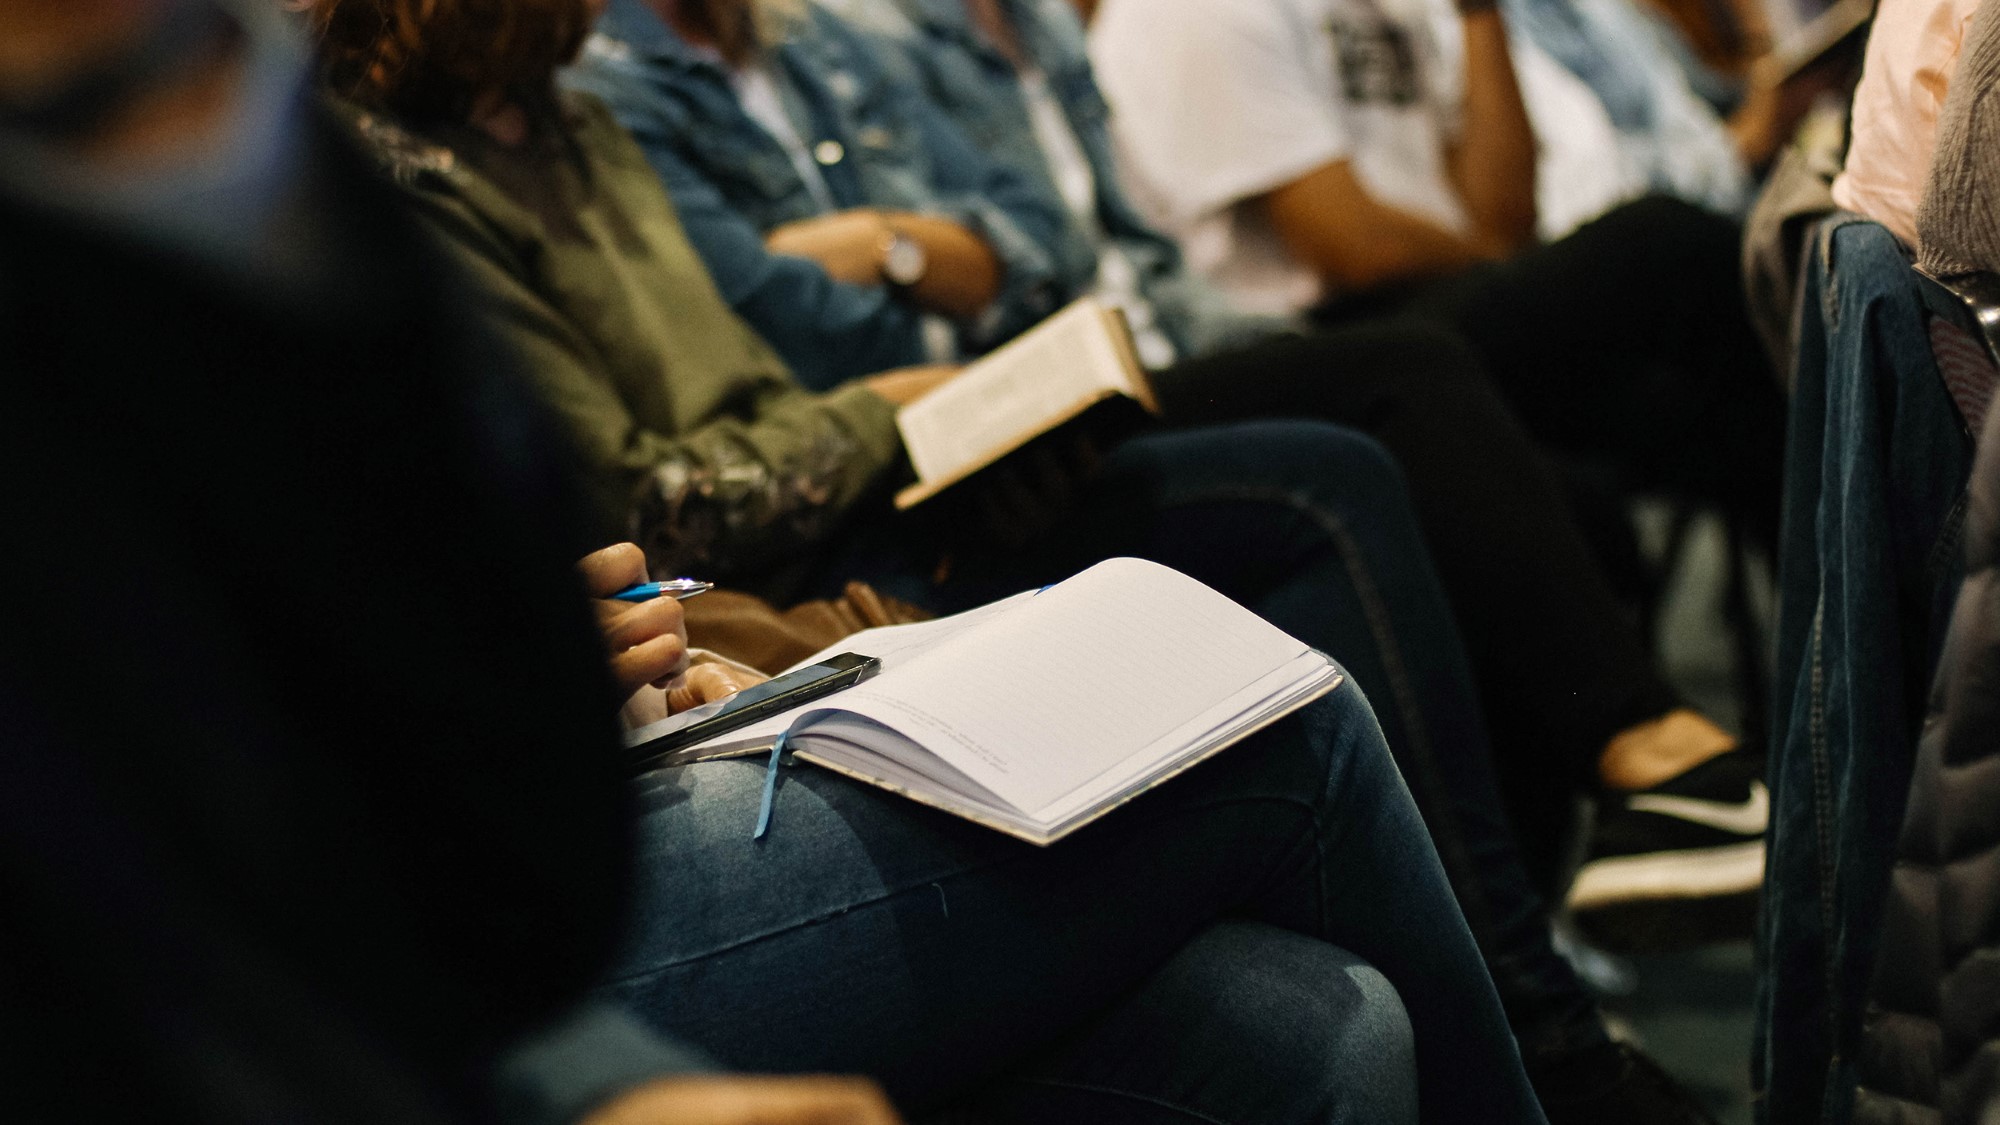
(358, 351)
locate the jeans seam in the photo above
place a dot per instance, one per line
(1946, 553)
(1822, 806)
(1092, 1088)
(920, 884)
(1375, 611)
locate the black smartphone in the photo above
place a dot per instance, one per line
(766, 699)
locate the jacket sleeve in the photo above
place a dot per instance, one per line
(1017, 214)
(1958, 751)
(827, 331)
(734, 494)
(1042, 268)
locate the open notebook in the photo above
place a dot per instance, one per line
(1044, 378)
(1038, 714)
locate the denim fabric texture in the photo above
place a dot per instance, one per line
(878, 143)
(1667, 131)
(1617, 78)
(1087, 981)
(935, 45)
(1870, 561)
(1309, 525)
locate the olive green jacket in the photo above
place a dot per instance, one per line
(700, 445)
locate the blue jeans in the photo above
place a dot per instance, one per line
(1310, 525)
(1182, 959)
(1869, 562)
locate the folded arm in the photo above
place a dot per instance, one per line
(1328, 220)
(828, 330)
(729, 494)
(1493, 164)
(962, 276)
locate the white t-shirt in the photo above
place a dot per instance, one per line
(1069, 164)
(1582, 166)
(1220, 101)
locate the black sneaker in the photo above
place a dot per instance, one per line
(1680, 863)
(1612, 1084)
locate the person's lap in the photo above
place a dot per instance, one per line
(1290, 1028)
(1308, 524)
(868, 933)
(1626, 343)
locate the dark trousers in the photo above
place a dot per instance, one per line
(1628, 344)
(1561, 666)
(1310, 526)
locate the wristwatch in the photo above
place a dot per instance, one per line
(904, 259)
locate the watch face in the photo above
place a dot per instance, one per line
(905, 261)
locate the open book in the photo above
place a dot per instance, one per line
(1048, 375)
(1038, 714)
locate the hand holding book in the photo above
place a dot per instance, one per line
(1045, 379)
(906, 385)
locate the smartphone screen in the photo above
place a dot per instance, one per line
(768, 698)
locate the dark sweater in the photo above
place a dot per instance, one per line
(307, 802)
(1930, 1049)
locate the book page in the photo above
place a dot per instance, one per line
(1306, 677)
(1036, 704)
(891, 644)
(1047, 374)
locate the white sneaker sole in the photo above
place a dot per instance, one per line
(1701, 873)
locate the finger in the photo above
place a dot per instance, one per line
(706, 683)
(817, 1101)
(612, 569)
(637, 624)
(642, 664)
(735, 1100)
(854, 1101)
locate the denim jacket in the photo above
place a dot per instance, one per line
(935, 44)
(879, 144)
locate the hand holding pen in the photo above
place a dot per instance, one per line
(679, 589)
(645, 635)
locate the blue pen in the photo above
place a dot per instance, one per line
(679, 589)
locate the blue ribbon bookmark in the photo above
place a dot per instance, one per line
(771, 785)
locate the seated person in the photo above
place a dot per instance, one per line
(1330, 162)
(1572, 689)
(1614, 116)
(961, 967)
(1926, 1035)
(311, 806)
(379, 844)
(1886, 399)
(688, 419)
(696, 436)
(1913, 49)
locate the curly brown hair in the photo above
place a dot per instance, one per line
(427, 60)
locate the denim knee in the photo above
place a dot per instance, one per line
(1249, 1024)
(1331, 467)
(1320, 1032)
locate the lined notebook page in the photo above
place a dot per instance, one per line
(1039, 702)
(893, 645)
(1012, 394)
